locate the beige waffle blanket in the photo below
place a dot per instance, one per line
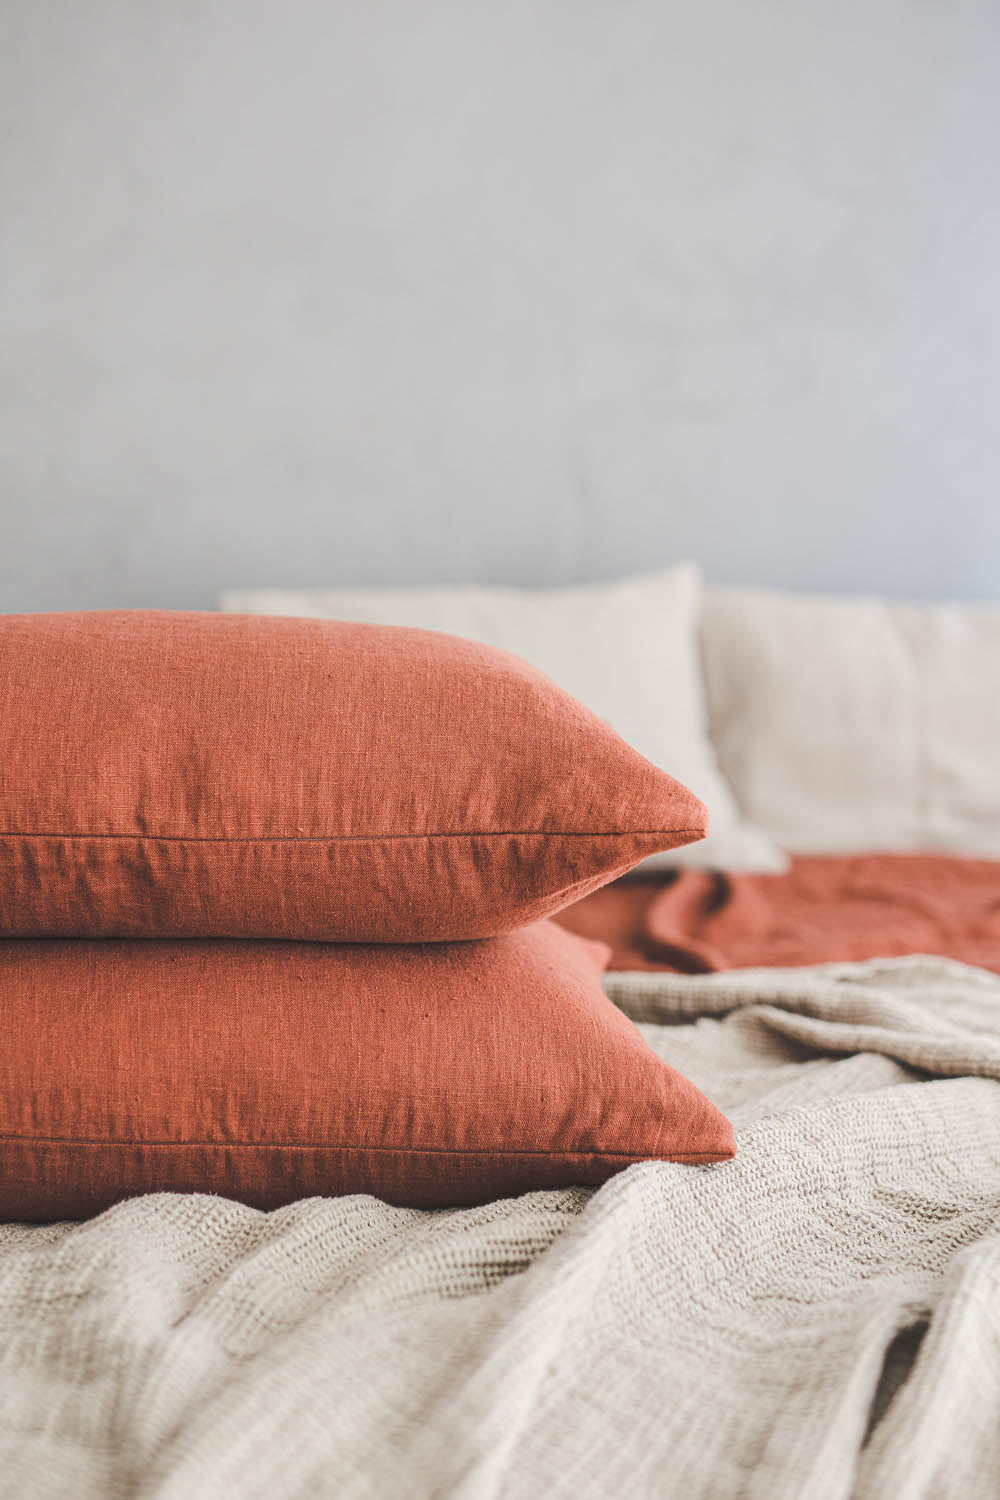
(818, 1318)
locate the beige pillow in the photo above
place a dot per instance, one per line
(849, 724)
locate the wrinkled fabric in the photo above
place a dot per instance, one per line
(825, 909)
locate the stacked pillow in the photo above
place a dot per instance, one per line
(272, 901)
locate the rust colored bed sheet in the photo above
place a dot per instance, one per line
(824, 909)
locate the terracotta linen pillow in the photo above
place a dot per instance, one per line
(183, 775)
(428, 1075)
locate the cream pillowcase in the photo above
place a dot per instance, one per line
(853, 724)
(628, 650)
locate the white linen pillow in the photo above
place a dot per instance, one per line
(628, 650)
(853, 724)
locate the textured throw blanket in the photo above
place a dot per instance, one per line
(818, 1318)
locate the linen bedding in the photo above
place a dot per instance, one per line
(825, 908)
(818, 1318)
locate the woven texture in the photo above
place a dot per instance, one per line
(195, 775)
(818, 1318)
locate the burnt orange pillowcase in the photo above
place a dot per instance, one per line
(189, 775)
(426, 1075)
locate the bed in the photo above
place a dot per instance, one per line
(817, 1318)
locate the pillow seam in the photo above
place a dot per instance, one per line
(353, 838)
(61, 1140)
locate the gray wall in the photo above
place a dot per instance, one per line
(536, 291)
